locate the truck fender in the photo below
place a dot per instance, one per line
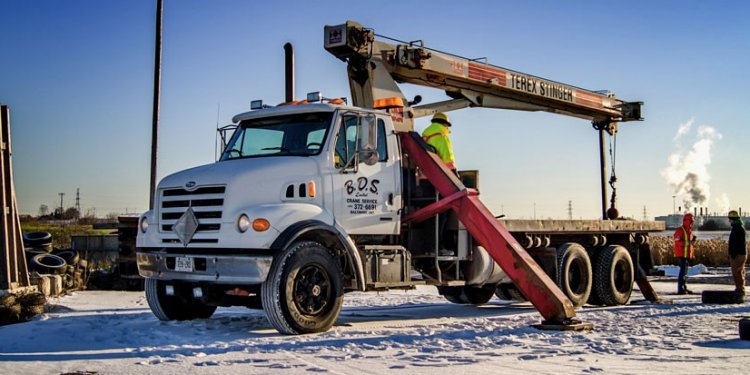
(298, 230)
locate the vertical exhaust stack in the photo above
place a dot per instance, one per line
(289, 72)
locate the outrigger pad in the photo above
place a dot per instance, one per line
(721, 297)
(571, 325)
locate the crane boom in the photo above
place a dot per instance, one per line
(375, 67)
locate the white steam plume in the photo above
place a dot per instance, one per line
(723, 203)
(687, 172)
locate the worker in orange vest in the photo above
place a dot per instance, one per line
(684, 250)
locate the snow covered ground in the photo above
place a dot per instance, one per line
(414, 332)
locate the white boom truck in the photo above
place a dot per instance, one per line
(313, 199)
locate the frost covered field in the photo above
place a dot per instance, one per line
(415, 332)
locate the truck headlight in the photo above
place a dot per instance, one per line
(144, 224)
(243, 223)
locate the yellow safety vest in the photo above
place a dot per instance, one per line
(436, 135)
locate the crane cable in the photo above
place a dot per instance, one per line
(613, 176)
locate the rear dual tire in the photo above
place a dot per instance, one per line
(467, 295)
(574, 273)
(613, 277)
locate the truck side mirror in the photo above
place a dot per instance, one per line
(368, 140)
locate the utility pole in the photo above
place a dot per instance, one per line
(62, 209)
(78, 201)
(155, 113)
(570, 210)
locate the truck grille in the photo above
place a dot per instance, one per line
(207, 203)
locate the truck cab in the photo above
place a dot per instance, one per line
(305, 172)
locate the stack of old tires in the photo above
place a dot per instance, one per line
(20, 308)
(46, 260)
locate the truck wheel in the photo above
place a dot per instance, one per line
(613, 276)
(175, 307)
(509, 292)
(516, 294)
(501, 292)
(303, 292)
(467, 295)
(574, 273)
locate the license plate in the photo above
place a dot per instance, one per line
(183, 264)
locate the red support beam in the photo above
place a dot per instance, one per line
(525, 273)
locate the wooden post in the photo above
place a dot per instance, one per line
(12, 259)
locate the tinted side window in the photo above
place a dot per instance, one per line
(346, 141)
(382, 145)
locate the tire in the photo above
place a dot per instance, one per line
(613, 276)
(47, 263)
(37, 239)
(303, 292)
(744, 329)
(467, 295)
(33, 251)
(70, 256)
(177, 307)
(501, 292)
(516, 294)
(574, 273)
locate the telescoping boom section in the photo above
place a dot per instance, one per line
(375, 67)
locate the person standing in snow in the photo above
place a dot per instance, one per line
(683, 251)
(737, 248)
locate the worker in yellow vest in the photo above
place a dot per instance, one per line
(437, 136)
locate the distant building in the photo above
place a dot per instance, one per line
(701, 218)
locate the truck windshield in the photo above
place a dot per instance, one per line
(296, 135)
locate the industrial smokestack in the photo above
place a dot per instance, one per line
(701, 211)
(740, 211)
(289, 71)
(695, 211)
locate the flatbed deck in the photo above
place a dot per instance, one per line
(582, 226)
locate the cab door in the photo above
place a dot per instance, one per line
(367, 180)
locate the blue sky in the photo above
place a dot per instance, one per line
(78, 77)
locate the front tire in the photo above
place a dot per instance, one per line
(303, 292)
(176, 307)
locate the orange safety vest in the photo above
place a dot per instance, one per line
(683, 243)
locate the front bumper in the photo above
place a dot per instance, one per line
(219, 269)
